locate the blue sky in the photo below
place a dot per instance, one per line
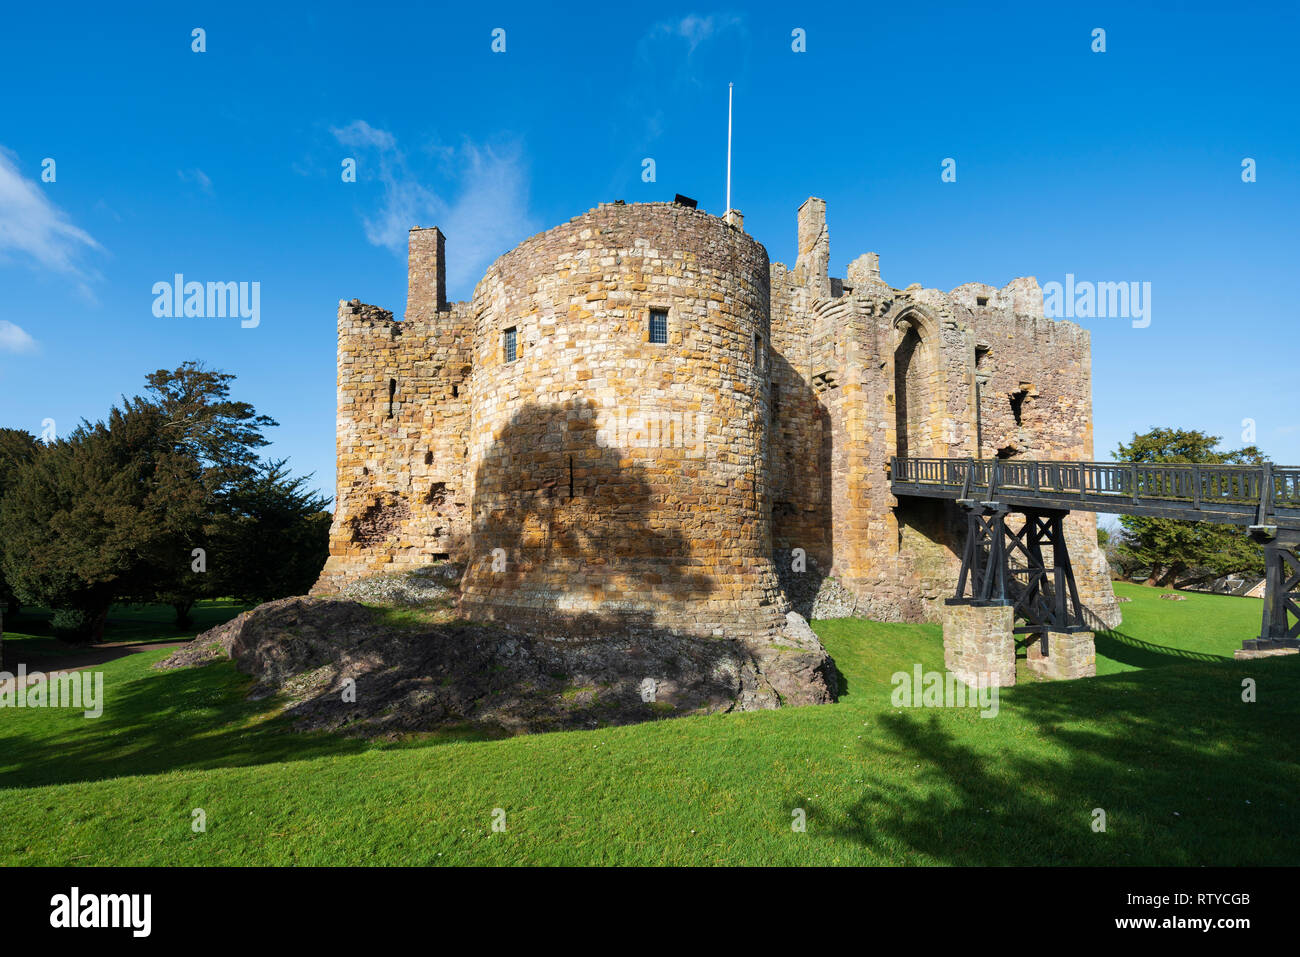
(225, 166)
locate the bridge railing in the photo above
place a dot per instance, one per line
(1195, 485)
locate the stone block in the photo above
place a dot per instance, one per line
(1069, 655)
(978, 644)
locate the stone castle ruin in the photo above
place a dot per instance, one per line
(639, 419)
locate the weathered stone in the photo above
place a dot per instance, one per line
(1069, 655)
(421, 677)
(599, 474)
(1263, 648)
(979, 646)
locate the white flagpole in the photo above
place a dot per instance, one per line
(729, 88)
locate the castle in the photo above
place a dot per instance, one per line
(639, 418)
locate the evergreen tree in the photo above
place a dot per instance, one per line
(16, 449)
(1181, 553)
(271, 536)
(78, 517)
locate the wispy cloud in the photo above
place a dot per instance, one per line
(688, 57)
(197, 177)
(15, 339)
(483, 213)
(694, 29)
(33, 228)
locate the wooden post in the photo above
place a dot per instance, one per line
(1265, 494)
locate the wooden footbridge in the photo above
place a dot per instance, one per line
(1001, 565)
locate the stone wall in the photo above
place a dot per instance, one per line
(614, 476)
(403, 415)
(600, 475)
(880, 371)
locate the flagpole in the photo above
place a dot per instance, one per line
(729, 89)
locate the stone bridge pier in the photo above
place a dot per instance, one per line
(979, 647)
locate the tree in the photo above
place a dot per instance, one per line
(78, 516)
(114, 511)
(17, 448)
(1181, 553)
(211, 444)
(271, 536)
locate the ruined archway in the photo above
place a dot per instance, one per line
(917, 387)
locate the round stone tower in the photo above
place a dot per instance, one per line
(619, 429)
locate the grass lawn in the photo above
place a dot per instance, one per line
(31, 634)
(1161, 741)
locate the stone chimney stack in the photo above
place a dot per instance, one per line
(812, 268)
(426, 273)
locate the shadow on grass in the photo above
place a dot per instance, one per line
(191, 718)
(28, 635)
(1128, 650)
(1185, 771)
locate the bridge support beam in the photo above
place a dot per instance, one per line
(1005, 576)
(1277, 633)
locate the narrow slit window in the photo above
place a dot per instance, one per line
(510, 344)
(392, 394)
(760, 362)
(659, 326)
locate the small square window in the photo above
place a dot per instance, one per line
(981, 300)
(659, 326)
(510, 344)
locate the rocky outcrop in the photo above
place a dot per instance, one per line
(379, 670)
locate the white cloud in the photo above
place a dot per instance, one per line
(34, 228)
(361, 133)
(197, 177)
(695, 29)
(487, 215)
(692, 28)
(14, 339)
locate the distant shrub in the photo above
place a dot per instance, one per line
(70, 622)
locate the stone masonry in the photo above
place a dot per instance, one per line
(1069, 655)
(596, 477)
(978, 646)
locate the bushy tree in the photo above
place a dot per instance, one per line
(271, 536)
(1181, 553)
(211, 444)
(17, 448)
(79, 515)
(115, 511)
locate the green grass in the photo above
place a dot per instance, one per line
(30, 631)
(1186, 772)
(1157, 632)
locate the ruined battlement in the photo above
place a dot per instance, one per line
(637, 414)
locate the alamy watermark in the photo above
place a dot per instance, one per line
(659, 429)
(132, 912)
(59, 689)
(214, 300)
(1098, 300)
(943, 689)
